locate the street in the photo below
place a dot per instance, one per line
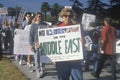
(50, 72)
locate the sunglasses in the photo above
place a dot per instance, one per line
(39, 16)
(68, 16)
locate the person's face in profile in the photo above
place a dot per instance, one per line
(38, 17)
(28, 16)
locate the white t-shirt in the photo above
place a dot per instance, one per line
(27, 27)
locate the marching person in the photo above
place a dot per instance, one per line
(0, 41)
(24, 24)
(107, 49)
(92, 50)
(34, 45)
(65, 68)
(29, 59)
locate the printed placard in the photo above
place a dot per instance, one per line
(60, 44)
(3, 11)
(21, 15)
(86, 19)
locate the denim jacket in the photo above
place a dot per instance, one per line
(33, 37)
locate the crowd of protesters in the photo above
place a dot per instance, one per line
(64, 68)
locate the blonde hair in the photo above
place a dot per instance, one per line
(66, 11)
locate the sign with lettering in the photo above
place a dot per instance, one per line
(21, 15)
(21, 42)
(86, 19)
(60, 44)
(3, 11)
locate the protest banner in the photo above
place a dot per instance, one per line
(21, 15)
(21, 42)
(60, 44)
(86, 19)
(3, 11)
(11, 19)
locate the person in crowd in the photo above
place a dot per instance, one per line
(27, 28)
(27, 19)
(8, 36)
(0, 41)
(107, 48)
(17, 26)
(92, 49)
(11, 28)
(5, 35)
(24, 24)
(65, 68)
(34, 45)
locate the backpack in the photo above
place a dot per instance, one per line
(94, 35)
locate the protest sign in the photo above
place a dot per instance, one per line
(60, 44)
(11, 19)
(21, 42)
(3, 11)
(86, 19)
(21, 16)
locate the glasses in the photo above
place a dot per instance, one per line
(39, 16)
(68, 16)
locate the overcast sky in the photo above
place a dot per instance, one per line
(34, 5)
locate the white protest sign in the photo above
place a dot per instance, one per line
(21, 15)
(60, 44)
(88, 40)
(10, 19)
(3, 11)
(21, 42)
(86, 19)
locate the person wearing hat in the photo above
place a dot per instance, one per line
(67, 68)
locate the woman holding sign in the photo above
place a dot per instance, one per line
(67, 68)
